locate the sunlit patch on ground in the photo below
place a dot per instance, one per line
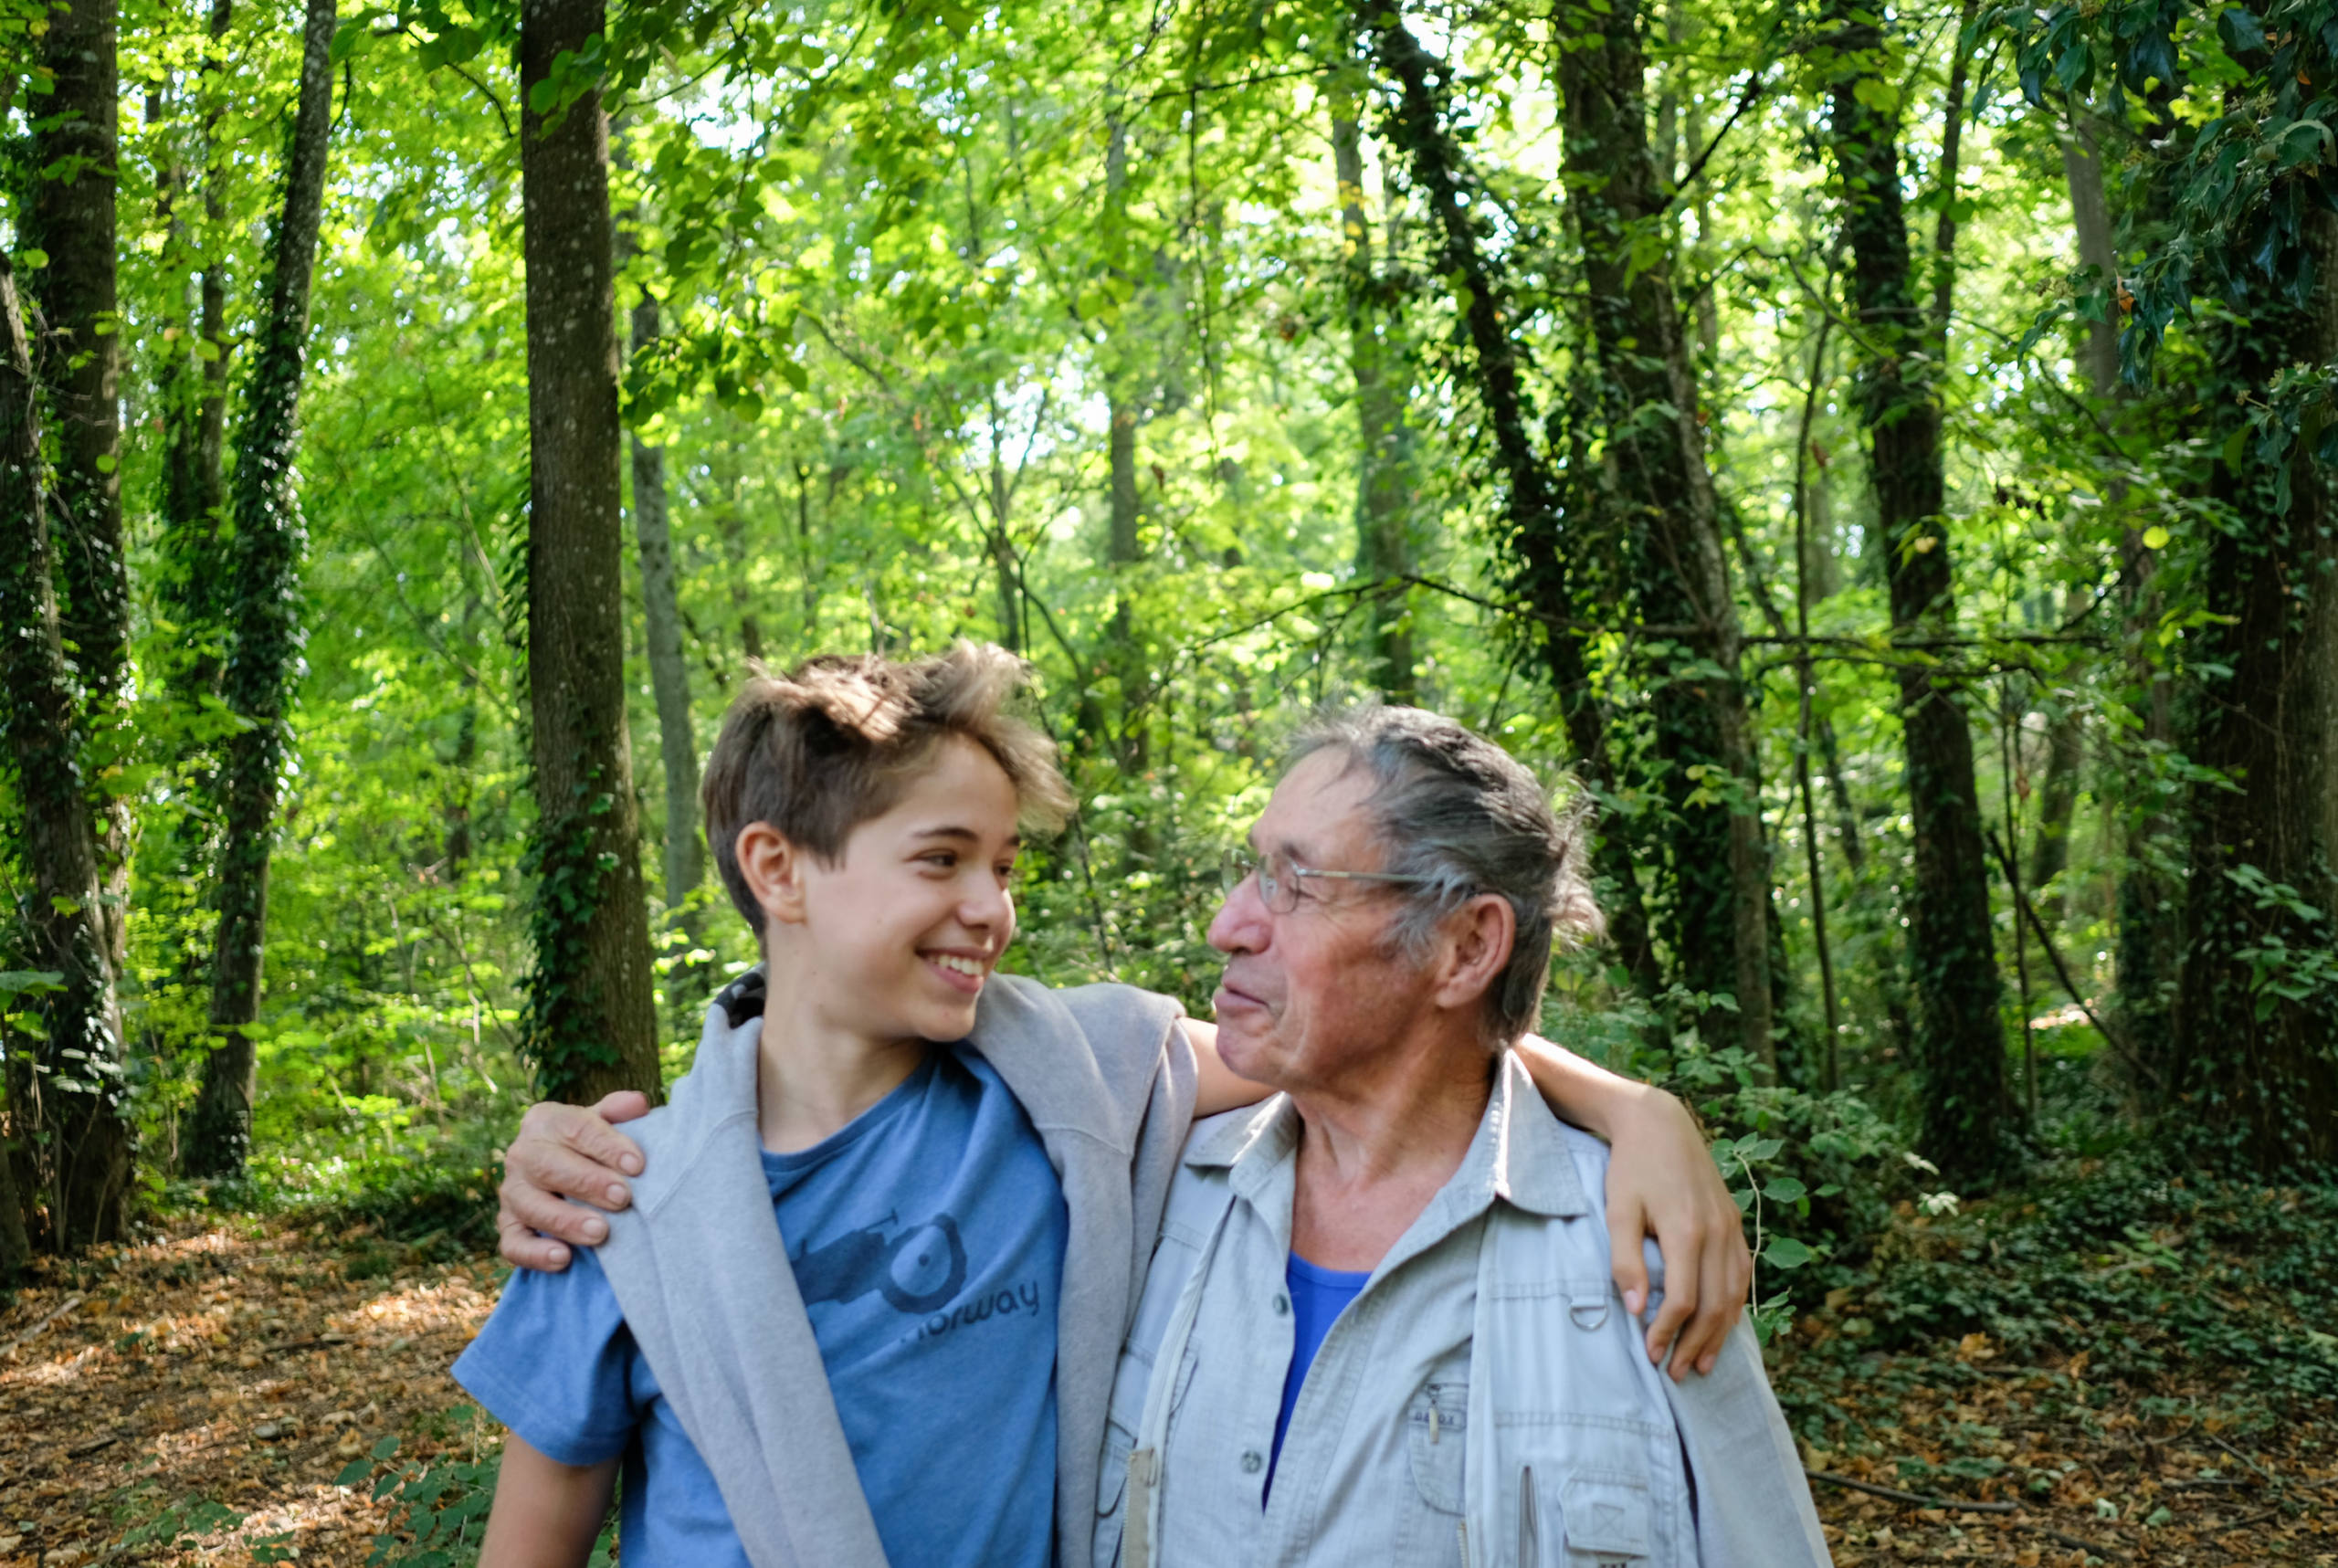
(149, 1393)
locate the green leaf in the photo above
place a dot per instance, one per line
(2235, 445)
(31, 982)
(1786, 1252)
(2155, 537)
(32, 259)
(1874, 92)
(354, 1472)
(385, 1448)
(1784, 1190)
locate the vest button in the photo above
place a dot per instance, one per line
(1252, 1462)
(1282, 1305)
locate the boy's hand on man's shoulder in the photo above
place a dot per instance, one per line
(566, 1152)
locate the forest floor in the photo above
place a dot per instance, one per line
(196, 1397)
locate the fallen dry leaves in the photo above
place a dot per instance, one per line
(241, 1365)
(238, 1365)
(2132, 1487)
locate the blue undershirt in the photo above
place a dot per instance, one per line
(1318, 1296)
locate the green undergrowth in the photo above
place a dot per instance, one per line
(439, 1503)
(426, 1191)
(2127, 1284)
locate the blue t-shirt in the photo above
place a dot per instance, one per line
(1317, 1296)
(927, 1240)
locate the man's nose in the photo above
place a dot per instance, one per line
(1241, 924)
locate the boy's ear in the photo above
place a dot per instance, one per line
(773, 868)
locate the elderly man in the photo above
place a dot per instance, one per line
(1379, 1326)
(1380, 988)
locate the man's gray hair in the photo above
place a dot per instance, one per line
(1451, 806)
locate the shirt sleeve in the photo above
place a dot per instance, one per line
(554, 1363)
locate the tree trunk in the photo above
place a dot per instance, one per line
(1383, 550)
(15, 1243)
(592, 1025)
(1960, 1037)
(69, 214)
(2065, 736)
(1124, 549)
(195, 417)
(2057, 800)
(2256, 999)
(1719, 868)
(2148, 901)
(266, 634)
(1415, 126)
(69, 1107)
(668, 675)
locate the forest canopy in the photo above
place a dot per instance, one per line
(1876, 461)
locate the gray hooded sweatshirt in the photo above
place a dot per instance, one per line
(702, 1276)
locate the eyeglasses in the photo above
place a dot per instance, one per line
(1280, 877)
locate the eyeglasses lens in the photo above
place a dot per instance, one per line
(1277, 888)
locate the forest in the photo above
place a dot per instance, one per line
(1880, 462)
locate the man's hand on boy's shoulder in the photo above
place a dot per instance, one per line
(566, 1152)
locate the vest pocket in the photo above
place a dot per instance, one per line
(1584, 1519)
(1437, 1430)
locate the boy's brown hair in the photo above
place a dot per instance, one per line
(832, 744)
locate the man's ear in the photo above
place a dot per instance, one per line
(1475, 944)
(774, 867)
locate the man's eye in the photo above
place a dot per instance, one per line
(943, 859)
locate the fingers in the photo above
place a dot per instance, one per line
(538, 1209)
(1627, 1223)
(585, 1131)
(1728, 1267)
(624, 1105)
(523, 1248)
(569, 1150)
(1680, 1288)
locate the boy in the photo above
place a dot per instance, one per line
(918, 1371)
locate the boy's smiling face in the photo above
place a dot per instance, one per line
(895, 940)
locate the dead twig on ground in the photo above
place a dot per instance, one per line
(34, 1333)
(1914, 1499)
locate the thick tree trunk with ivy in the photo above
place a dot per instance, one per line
(1537, 529)
(69, 214)
(2257, 998)
(1384, 502)
(592, 1025)
(264, 629)
(1960, 1035)
(67, 1101)
(1717, 877)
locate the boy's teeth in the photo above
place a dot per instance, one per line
(962, 965)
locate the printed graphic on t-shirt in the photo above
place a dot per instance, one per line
(917, 1272)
